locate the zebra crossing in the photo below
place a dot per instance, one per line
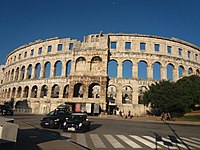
(119, 141)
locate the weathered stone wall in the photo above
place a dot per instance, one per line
(89, 70)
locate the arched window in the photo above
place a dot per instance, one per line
(197, 72)
(22, 73)
(127, 95)
(44, 91)
(80, 64)
(26, 91)
(112, 93)
(141, 91)
(156, 71)
(19, 92)
(127, 69)
(29, 71)
(34, 91)
(37, 70)
(112, 68)
(8, 94)
(8, 79)
(58, 69)
(68, 68)
(142, 70)
(17, 74)
(94, 90)
(66, 91)
(13, 92)
(47, 69)
(78, 90)
(180, 71)
(96, 64)
(55, 91)
(170, 68)
(190, 71)
(12, 75)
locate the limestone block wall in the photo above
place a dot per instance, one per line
(31, 71)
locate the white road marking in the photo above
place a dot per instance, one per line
(179, 144)
(128, 141)
(113, 141)
(196, 142)
(81, 140)
(67, 135)
(195, 139)
(97, 141)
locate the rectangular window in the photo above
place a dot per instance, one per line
(196, 56)
(71, 45)
(127, 45)
(40, 50)
(15, 58)
(19, 56)
(113, 45)
(25, 54)
(169, 49)
(142, 46)
(189, 53)
(156, 47)
(32, 52)
(49, 48)
(59, 47)
(180, 52)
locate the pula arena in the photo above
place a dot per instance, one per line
(111, 71)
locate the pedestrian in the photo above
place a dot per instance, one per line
(163, 116)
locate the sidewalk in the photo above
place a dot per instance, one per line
(155, 119)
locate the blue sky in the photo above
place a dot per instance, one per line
(24, 21)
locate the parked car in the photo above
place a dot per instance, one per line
(6, 110)
(55, 119)
(77, 122)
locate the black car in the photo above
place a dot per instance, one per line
(77, 122)
(6, 110)
(55, 119)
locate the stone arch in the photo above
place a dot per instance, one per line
(8, 94)
(17, 74)
(95, 64)
(37, 70)
(13, 92)
(141, 91)
(22, 73)
(197, 72)
(181, 71)
(142, 70)
(26, 92)
(34, 91)
(127, 69)
(94, 90)
(80, 64)
(190, 71)
(47, 69)
(66, 91)
(68, 68)
(112, 68)
(44, 91)
(112, 93)
(12, 75)
(19, 92)
(78, 90)
(170, 68)
(58, 68)
(127, 92)
(29, 72)
(55, 91)
(157, 70)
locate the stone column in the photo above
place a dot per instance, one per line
(150, 72)
(119, 69)
(49, 92)
(42, 70)
(163, 73)
(38, 91)
(29, 92)
(63, 68)
(61, 91)
(135, 70)
(175, 74)
(52, 69)
(33, 72)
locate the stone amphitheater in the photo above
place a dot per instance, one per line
(102, 73)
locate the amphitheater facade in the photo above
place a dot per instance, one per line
(106, 71)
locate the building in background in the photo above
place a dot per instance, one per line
(103, 72)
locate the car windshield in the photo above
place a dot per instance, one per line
(56, 112)
(77, 117)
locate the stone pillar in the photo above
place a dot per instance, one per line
(150, 72)
(38, 91)
(135, 70)
(52, 69)
(163, 73)
(61, 91)
(29, 92)
(119, 69)
(63, 68)
(33, 72)
(49, 92)
(42, 70)
(175, 74)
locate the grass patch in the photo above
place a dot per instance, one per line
(191, 118)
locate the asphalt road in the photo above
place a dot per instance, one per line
(108, 134)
